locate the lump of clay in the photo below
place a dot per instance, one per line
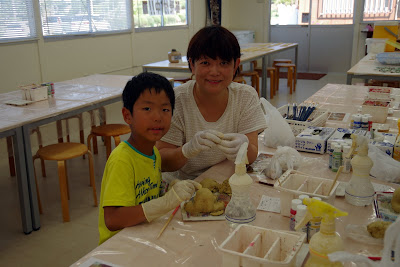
(204, 202)
(396, 200)
(377, 229)
(225, 188)
(210, 184)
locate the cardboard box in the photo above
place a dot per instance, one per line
(343, 134)
(314, 139)
(34, 92)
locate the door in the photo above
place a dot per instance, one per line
(322, 28)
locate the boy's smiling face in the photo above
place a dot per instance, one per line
(150, 119)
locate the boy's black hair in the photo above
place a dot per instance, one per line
(146, 80)
(214, 41)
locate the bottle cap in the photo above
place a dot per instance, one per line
(173, 50)
(301, 197)
(364, 118)
(318, 198)
(346, 149)
(295, 203)
(338, 148)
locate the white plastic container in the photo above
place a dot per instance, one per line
(376, 45)
(378, 109)
(33, 93)
(254, 246)
(292, 184)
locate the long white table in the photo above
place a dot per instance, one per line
(195, 243)
(250, 52)
(71, 98)
(366, 69)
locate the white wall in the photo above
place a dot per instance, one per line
(57, 60)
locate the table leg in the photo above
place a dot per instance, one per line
(296, 63)
(30, 178)
(349, 78)
(22, 181)
(264, 78)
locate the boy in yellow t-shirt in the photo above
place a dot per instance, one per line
(130, 189)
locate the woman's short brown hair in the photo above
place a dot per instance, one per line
(213, 42)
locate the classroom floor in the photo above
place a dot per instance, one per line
(61, 244)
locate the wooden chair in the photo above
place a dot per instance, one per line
(279, 61)
(291, 78)
(107, 131)
(255, 78)
(272, 77)
(61, 152)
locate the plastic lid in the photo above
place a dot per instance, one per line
(318, 198)
(295, 203)
(346, 149)
(365, 118)
(301, 197)
(338, 148)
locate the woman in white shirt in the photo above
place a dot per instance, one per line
(213, 116)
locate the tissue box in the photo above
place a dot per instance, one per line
(342, 134)
(252, 246)
(387, 144)
(313, 139)
(34, 92)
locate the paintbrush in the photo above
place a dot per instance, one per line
(169, 220)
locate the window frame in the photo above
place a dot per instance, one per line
(89, 34)
(164, 28)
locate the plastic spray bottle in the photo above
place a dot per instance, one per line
(240, 209)
(327, 240)
(359, 190)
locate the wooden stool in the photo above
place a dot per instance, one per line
(61, 152)
(239, 79)
(291, 83)
(271, 71)
(278, 61)
(10, 151)
(107, 131)
(255, 78)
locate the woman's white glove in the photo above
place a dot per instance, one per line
(201, 141)
(231, 143)
(181, 191)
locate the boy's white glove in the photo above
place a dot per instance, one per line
(181, 191)
(231, 143)
(202, 140)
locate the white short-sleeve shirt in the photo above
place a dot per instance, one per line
(243, 114)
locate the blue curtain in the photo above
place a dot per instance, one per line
(213, 12)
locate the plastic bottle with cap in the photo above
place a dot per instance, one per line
(240, 209)
(336, 158)
(357, 121)
(301, 212)
(346, 162)
(331, 148)
(293, 212)
(327, 240)
(364, 122)
(174, 56)
(359, 190)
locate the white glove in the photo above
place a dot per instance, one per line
(201, 141)
(231, 143)
(181, 191)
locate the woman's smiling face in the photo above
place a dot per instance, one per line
(213, 75)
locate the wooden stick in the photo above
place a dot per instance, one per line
(334, 181)
(169, 220)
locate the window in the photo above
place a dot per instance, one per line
(71, 17)
(159, 13)
(16, 20)
(381, 10)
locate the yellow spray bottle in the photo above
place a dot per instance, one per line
(327, 240)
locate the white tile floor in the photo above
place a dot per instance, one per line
(61, 244)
